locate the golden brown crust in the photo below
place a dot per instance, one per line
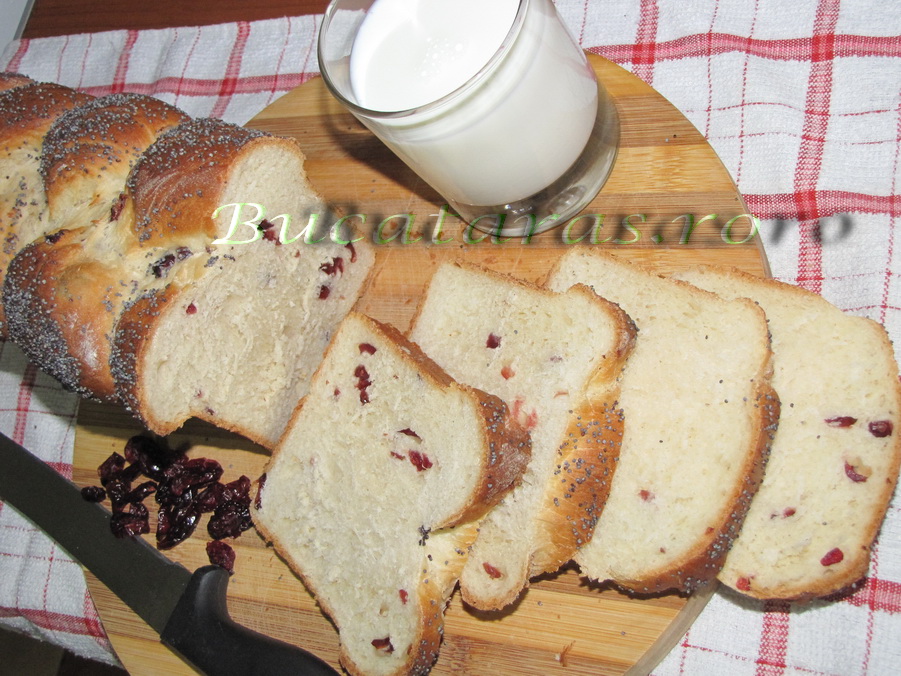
(13, 80)
(27, 111)
(63, 326)
(62, 303)
(176, 184)
(587, 456)
(88, 152)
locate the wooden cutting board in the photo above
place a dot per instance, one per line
(669, 203)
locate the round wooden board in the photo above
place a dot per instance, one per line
(669, 203)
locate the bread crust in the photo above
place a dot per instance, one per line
(28, 111)
(12, 80)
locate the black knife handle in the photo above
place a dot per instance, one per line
(202, 631)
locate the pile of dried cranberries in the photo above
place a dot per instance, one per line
(185, 489)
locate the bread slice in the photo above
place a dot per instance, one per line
(27, 111)
(554, 358)
(217, 329)
(373, 494)
(700, 412)
(836, 454)
(64, 292)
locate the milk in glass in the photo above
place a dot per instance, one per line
(484, 125)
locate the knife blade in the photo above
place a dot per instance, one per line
(188, 610)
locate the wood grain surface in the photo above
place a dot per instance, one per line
(669, 203)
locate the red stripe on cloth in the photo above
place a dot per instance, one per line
(196, 87)
(876, 594)
(92, 621)
(742, 133)
(229, 82)
(121, 74)
(16, 61)
(887, 281)
(52, 621)
(643, 54)
(774, 639)
(813, 139)
(827, 202)
(713, 43)
(22, 402)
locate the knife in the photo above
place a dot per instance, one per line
(188, 610)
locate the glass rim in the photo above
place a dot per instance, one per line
(472, 82)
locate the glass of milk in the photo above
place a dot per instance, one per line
(491, 102)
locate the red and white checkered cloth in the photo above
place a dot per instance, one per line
(802, 101)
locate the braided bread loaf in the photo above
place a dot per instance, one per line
(124, 252)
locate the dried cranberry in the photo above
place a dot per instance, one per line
(398, 456)
(645, 495)
(152, 457)
(353, 252)
(118, 492)
(142, 492)
(324, 292)
(54, 237)
(493, 572)
(493, 342)
(410, 433)
(881, 428)
(507, 373)
(420, 461)
(221, 554)
(175, 524)
(237, 490)
(93, 493)
(403, 595)
(743, 584)
(116, 208)
(111, 468)
(193, 473)
(841, 421)
(210, 497)
(230, 520)
(832, 557)
(130, 523)
(854, 475)
(268, 230)
(191, 309)
(161, 268)
(333, 268)
(258, 502)
(363, 383)
(366, 348)
(383, 644)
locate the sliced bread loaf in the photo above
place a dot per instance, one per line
(700, 412)
(372, 495)
(27, 111)
(227, 332)
(554, 358)
(835, 457)
(65, 327)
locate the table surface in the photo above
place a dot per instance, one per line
(65, 17)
